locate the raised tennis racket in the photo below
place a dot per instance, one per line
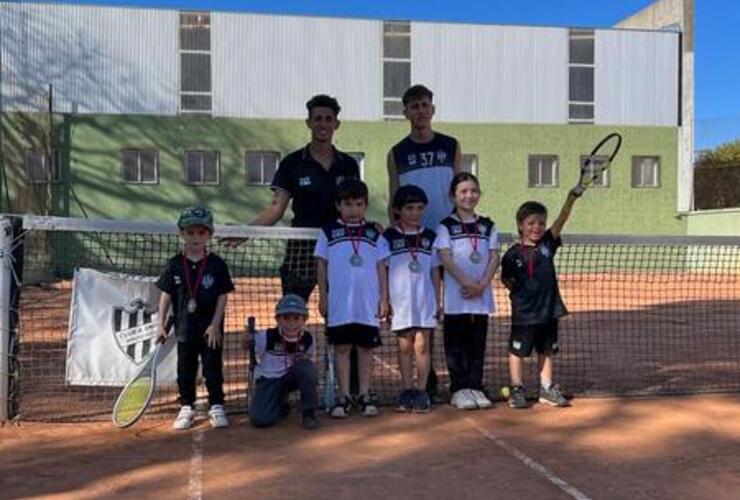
(330, 381)
(251, 332)
(136, 396)
(600, 159)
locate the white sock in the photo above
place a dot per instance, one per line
(546, 384)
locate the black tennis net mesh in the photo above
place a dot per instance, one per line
(648, 315)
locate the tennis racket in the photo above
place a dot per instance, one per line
(252, 331)
(136, 396)
(599, 160)
(330, 384)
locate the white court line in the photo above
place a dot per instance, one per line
(195, 482)
(529, 462)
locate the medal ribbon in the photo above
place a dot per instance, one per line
(529, 258)
(414, 250)
(192, 291)
(474, 237)
(356, 239)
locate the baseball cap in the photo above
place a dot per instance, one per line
(291, 304)
(196, 215)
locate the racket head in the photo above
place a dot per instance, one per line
(600, 159)
(136, 396)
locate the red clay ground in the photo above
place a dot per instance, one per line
(664, 448)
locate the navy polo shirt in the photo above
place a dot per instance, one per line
(312, 187)
(535, 295)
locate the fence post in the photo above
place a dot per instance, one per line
(6, 274)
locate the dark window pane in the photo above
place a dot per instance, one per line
(195, 39)
(396, 78)
(470, 163)
(193, 161)
(210, 166)
(272, 160)
(581, 50)
(581, 84)
(195, 102)
(542, 171)
(195, 72)
(36, 166)
(396, 27)
(130, 165)
(392, 108)
(254, 168)
(148, 159)
(581, 111)
(397, 47)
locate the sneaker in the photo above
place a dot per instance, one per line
(184, 419)
(367, 406)
(553, 397)
(480, 399)
(463, 400)
(217, 417)
(518, 397)
(341, 409)
(422, 402)
(405, 402)
(309, 421)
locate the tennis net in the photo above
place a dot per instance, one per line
(648, 315)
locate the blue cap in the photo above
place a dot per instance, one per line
(291, 304)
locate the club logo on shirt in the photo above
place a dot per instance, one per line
(456, 229)
(178, 280)
(411, 160)
(426, 243)
(304, 181)
(544, 251)
(441, 156)
(208, 281)
(337, 233)
(398, 244)
(339, 179)
(370, 233)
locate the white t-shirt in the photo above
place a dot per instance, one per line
(276, 357)
(353, 289)
(451, 234)
(411, 291)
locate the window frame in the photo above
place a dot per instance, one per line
(138, 152)
(184, 51)
(388, 33)
(582, 34)
(475, 168)
(555, 170)
(247, 153)
(360, 162)
(656, 172)
(57, 166)
(202, 182)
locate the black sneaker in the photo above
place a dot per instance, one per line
(553, 397)
(405, 402)
(309, 421)
(341, 409)
(422, 402)
(518, 398)
(366, 405)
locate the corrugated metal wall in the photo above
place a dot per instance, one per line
(268, 66)
(493, 73)
(112, 60)
(99, 60)
(636, 80)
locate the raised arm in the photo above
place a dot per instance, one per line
(557, 226)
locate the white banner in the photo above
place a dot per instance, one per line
(113, 322)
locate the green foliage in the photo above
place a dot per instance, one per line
(727, 154)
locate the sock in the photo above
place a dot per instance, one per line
(546, 384)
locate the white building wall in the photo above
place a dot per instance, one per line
(493, 73)
(98, 59)
(636, 78)
(267, 66)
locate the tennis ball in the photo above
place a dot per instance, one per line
(505, 392)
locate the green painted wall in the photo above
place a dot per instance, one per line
(714, 222)
(94, 143)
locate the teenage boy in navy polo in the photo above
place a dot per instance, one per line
(195, 283)
(352, 279)
(309, 176)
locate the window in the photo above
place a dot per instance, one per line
(195, 62)
(645, 171)
(396, 66)
(37, 168)
(360, 159)
(581, 76)
(596, 163)
(201, 167)
(543, 171)
(261, 167)
(470, 163)
(140, 166)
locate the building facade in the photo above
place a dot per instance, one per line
(155, 109)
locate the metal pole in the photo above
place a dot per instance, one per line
(6, 274)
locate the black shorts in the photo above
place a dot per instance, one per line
(542, 337)
(354, 334)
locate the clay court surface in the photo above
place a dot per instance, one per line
(671, 448)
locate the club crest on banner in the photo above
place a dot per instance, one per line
(134, 329)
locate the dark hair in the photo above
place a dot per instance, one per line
(529, 208)
(409, 194)
(351, 189)
(416, 92)
(323, 101)
(462, 177)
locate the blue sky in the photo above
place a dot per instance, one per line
(717, 38)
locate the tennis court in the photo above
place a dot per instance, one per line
(600, 448)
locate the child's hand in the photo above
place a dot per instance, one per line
(213, 336)
(440, 313)
(384, 310)
(577, 191)
(161, 334)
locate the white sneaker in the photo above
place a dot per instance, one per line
(217, 417)
(184, 419)
(480, 399)
(463, 400)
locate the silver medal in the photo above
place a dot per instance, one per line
(355, 260)
(414, 266)
(192, 306)
(475, 257)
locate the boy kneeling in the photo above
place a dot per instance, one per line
(285, 357)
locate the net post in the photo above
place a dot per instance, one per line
(6, 273)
